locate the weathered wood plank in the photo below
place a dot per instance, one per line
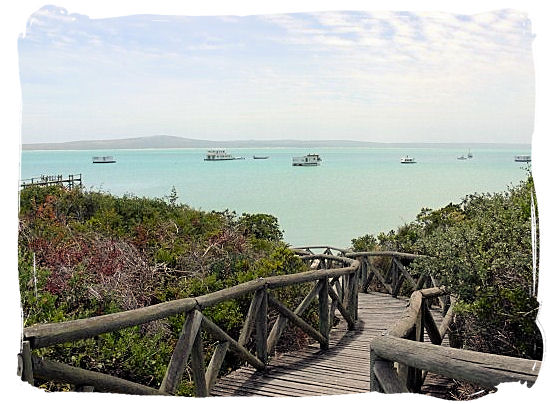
(346, 362)
(250, 320)
(42, 335)
(341, 308)
(387, 377)
(324, 321)
(281, 321)
(384, 254)
(181, 353)
(215, 364)
(431, 327)
(381, 278)
(261, 329)
(234, 345)
(445, 323)
(197, 367)
(484, 369)
(312, 332)
(406, 273)
(50, 370)
(27, 370)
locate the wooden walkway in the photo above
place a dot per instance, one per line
(343, 369)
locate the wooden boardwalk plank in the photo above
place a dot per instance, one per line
(343, 369)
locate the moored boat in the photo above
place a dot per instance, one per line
(103, 159)
(220, 155)
(407, 160)
(260, 157)
(307, 160)
(461, 158)
(522, 158)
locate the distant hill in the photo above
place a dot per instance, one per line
(176, 142)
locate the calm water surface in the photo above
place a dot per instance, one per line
(353, 192)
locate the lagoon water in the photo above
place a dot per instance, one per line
(353, 192)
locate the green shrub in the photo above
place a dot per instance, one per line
(97, 254)
(481, 250)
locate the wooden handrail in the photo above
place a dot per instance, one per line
(189, 345)
(345, 272)
(485, 369)
(341, 250)
(395, 254)
(42, 335)
(403, 344)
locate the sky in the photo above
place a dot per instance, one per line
(371, 76)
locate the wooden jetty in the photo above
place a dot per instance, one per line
(70, 182)
(383, 342)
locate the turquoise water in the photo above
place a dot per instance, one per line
(353, 192)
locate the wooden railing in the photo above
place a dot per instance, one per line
(391, 279)
(70, 182)
(336, 279)
(400, 359)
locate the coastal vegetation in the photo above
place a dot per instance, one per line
(84, 254)
(481, 250)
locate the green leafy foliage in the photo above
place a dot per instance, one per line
(261, 226)
(481, 250)
(85, 254)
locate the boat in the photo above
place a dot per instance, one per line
(470, 155)
(103, 159)
(307, 160)
(523, 158)
(220, 155)
(407, 160)
(260, 157)
(461, 157)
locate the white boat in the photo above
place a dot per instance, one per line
(407, 160)
(220, 155)
(307, 160)
(523, 158)
(103, 159)
(470, 155)
(461, 158)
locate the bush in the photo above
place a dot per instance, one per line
(97, 254)
(481, 250)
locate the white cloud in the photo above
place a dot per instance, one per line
(369, 70)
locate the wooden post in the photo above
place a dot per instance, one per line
(374, 385)
(197, 367)
(420, 282)
(261, 328)
(215, 364)
(414, 379)
(387, 378)
(364, 273)
(27, 372)
(397, 286)
(336, 301)
(250, 320)
(351, 306)
(324, 308)
(181, 353)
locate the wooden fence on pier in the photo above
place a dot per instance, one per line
(399, 361)
(70, 182)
